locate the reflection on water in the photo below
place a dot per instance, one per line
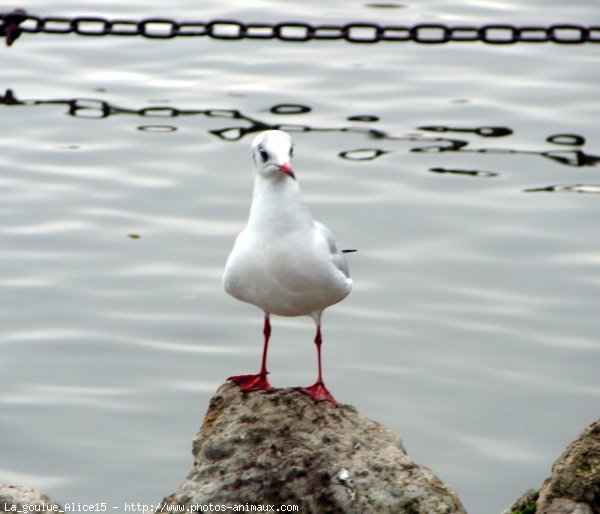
(566, 139)
(101, 109)
(480, 131)
(470, 173)
(362, 154)
(126, 177)
(567, 188)
(157, 128)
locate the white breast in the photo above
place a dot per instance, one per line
(283, 262)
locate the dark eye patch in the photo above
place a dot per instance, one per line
(263, 154)
(291, 152)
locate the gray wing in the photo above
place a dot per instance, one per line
(337, 257)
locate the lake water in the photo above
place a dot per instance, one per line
(472, 329)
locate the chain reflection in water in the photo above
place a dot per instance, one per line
(567, 188)
(480, 131)
(471, 173)
(100, 109)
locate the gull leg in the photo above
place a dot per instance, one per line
(318, 392)
(257, 382)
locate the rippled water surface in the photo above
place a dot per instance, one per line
(125, 175)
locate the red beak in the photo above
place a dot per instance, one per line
(286, 168)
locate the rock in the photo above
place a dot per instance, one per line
(16, 498)
(526, 503)
(574, 486)
(280, 447)
(564, 506)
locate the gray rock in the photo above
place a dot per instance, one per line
(564, 506)
(280, 447)
(574, 486)
(528, 498)
(14, 497)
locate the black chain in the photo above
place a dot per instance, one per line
(15, 23)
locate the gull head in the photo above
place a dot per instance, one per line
(272, 152)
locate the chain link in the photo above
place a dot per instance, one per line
(15, 23)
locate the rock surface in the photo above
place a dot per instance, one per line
(525, 503)
(280, 447)
(574, 486)
(16, 497)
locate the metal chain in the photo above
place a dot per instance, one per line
(15, 23)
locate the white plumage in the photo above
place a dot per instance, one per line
(284, 262)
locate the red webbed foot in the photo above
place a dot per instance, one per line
(318, 392)
(251, 382)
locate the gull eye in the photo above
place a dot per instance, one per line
(263, 154)
(291, 152)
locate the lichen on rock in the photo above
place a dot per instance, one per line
(574, 486)
(280, 447)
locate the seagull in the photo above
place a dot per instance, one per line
(284, 262)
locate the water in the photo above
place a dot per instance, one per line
(472, 328)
